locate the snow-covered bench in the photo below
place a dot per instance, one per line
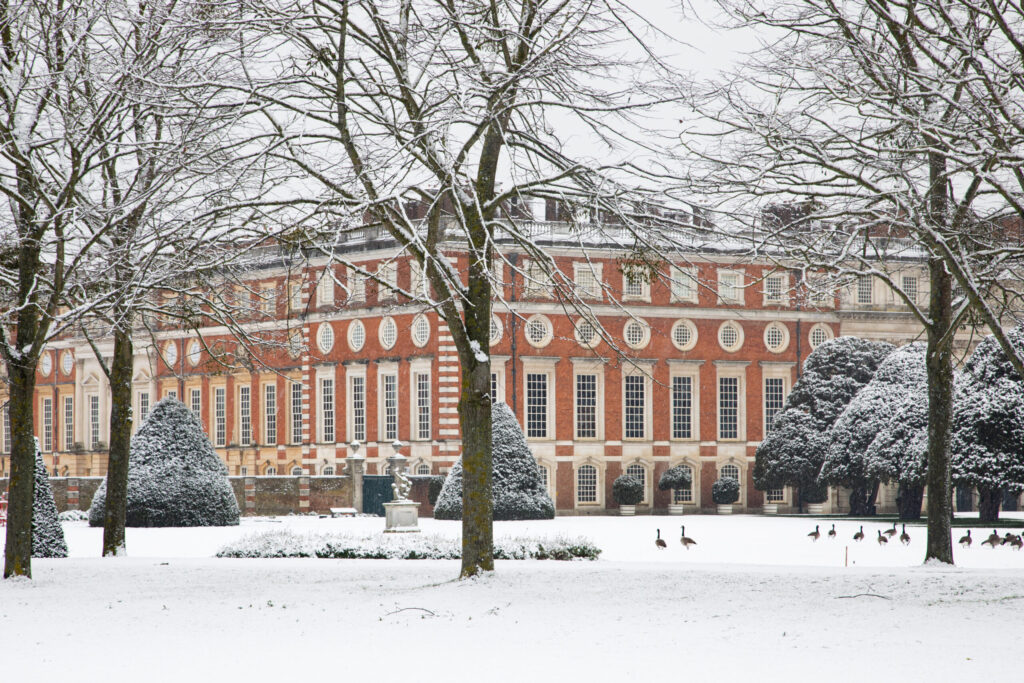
(343, 512)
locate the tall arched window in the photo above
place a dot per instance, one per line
(684, 495)
(423, 468)
(586, 484)
(637, 470)
(730, 472)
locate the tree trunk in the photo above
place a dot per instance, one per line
(477, 501)
(908, 500)
(989, 500)
(21, 493)
(939, 361)
(120, 442)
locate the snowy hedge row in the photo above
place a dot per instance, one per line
(285, 543)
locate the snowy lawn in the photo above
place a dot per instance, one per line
(755, 598)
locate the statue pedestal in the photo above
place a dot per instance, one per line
(401, 516)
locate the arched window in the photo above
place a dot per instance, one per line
(544, 476)
(586, 484)
(328, 471)
(637, 470)
(684, 495)
(423, 468)
(730, 472)
(270, 471)
(296, 471)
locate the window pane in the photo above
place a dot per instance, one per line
(586, 484)
(728, 407)
(772, 400)
(327, 409)
(220, 416)
(422, 406)
(586, 406)
(358, 399)
(270, 414)
(244, 416)
(684, 495)
(390, 407)
(537, 405)
(637, 470)
(635, 400)
(682, 407)
(296, 412)
(69, 421)
(864, 286)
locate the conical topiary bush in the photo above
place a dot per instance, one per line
(47, 533)
(517, 486)
(174, 476)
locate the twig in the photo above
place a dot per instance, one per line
(864, 595)
(422, 609)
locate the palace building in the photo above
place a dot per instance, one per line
(706, 355)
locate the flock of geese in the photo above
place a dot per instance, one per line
(1013, 540)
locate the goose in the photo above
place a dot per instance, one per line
(832, 532)
(890, 532)
(1016, 542)
(905, 537)
(859, 536)
(814, 535)
(882, 540)
(660, 542)
(1006, 538)
(966, 541)
(993, 539)
(686, 540)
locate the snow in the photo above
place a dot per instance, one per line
(478, 353)
(754, 597)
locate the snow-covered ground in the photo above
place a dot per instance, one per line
(755, 599)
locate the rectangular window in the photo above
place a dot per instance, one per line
(728, 407)
(684, 496)
(417, 281)
(537, 280)
(268, 300)
(634, 286)
(586, 280)
(47, 425)
(143, 406)
(94, 422)
(774, 289)
(195, 401)
(494, 387)
(327, 409)
(773, 398)
(325, 288)
(171, 393)
(390, 383)
(7, 429)
(220, 416)
(244, 416)
(682, 407)
(69, 422)
(295, 296)
(387, 274)
(422, 405)
(910, 287)
(635, 403)
(684, 284)
(586, 406)
(776, 496)
(536, 405)
(730, 287)
(357, 395)
(356, 286)
(270, 414)
(864, 289)
(296, 412)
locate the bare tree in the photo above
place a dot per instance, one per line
(894, 126)
(467, 108)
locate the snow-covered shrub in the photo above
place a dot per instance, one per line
(987, 449)
(725, 491)
(678, 477)
(628, 490)
(517, 486)
(73, 516)
(174, 476)
(287, 543)
(434, 488)
(882, 434)
(791, 454)
(47, 533)
(814, 493)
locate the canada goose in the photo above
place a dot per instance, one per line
(993, 539)
(882, 540)
(1016, 542)
(859, 536)
(832, 532)
(905, 537)
(890, 532)
(660, 542)
(686, 540)
(966, 541)
(1006, 538)
(814, 535)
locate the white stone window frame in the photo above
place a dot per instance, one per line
(864, 285)
(644, 293)
(736, 296)
(589, 366)
(295, 296)
(353, 372)
(355, 335)
(170, 354)
(356, 285)
(740, 336)
(321, 376)
(325, 288)
(648, 469)
(327, 471)
(694, 482)
(550, 467)
(195, 352)
(594, 341)
(387, 281)
(738, 370)
(598, 501)
(270, 420)
(387, 323)
(541, 366)
(679, 275)
(548, 330)
(46, 363)
(46, 424)
(820, 294)
(498, 364)
(420, 366)
(67, 363)
(586, 290)
(774, 370)
(781, 327)
(295, 343)
(645, 370)
(414, 329)
(645, 338)
(417, 281)
(497, 330)
(823, 327)
(240, 388)
(67, 408)
(385, 369)
(730, 461)
(691, 369)
(268, 299)
(537, 282)
(218, 424)
(782, 299)
(325, 337)
(905, 281)
(689, 324)
(782, 499)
